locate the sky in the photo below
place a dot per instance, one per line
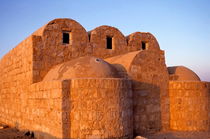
(182, 27)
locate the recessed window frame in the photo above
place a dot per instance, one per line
(144, 45)
(109, 42)
(66, 37)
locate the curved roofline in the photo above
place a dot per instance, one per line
(174, 68)
(138, 32)
(40, 31)
(108, 27)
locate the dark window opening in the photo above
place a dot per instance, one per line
(66, 37)
(143, 45)
(108, 42)
(89, 35)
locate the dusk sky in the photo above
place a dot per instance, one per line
(182, 27)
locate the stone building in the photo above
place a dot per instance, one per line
(65, 82)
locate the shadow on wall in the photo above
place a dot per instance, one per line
(66, 108)
(146, 108)
(122, 72)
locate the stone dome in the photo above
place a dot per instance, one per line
(181, 73)
(83, 67)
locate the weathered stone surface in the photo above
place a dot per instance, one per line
(189, 106)
(135, 41)
(83, 67)
(98, 41)
(181, 73)
(127, 93)
(148, 71)
(101, 111)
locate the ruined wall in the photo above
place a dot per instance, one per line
(15, 76)
(101, 108)
(189, 105)
(148, 72)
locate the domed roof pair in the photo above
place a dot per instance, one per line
(92, 67)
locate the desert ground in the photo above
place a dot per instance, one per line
(12, 133)
(179, 135)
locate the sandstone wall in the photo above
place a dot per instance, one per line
(30, 61)
(101, 108)
(50, 49)
(78, 108)
(150, 91)
(47, 111)
(188, 105)
(41, 109)
(135, 41)
(15, 76)
(148, 71)
(98, 41)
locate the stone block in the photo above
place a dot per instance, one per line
(188, 111)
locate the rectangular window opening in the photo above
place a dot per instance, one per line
(89, 35)
(143, 45)
(66, 36)
(108, 42)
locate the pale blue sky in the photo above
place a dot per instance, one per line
(182, 27)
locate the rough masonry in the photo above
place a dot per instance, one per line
(64, 82)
